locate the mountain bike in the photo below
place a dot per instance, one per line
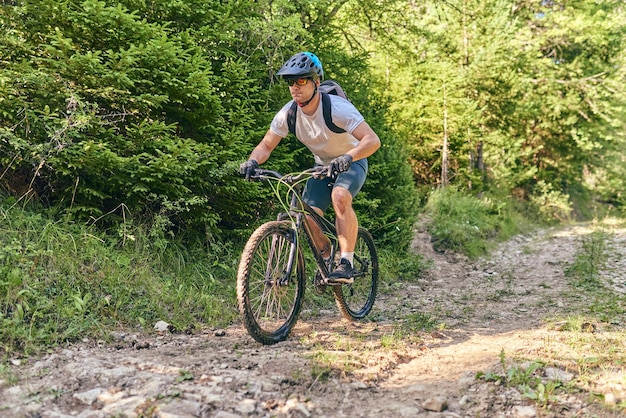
(271, 279)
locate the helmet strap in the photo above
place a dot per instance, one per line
(309, 101)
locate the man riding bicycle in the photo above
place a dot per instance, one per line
(346, 153)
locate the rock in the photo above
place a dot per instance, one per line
(55, 414)
(162, 326)
(435, 404)
(110, 396)
(224, 414)
(247, 406)
(467, 379)
(610, 399)
(521, 411)
(553, 373)
(407, 412)
(123, 405)
(90, 396)
(180, 408)
(15, 390)
(302, 409)
(358, 385)
(414, 390)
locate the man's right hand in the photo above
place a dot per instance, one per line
(248, 168)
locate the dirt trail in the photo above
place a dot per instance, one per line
(488, 311)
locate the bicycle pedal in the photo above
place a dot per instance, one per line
(320, 289)
(327, 283)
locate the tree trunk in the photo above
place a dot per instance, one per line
(444, 151)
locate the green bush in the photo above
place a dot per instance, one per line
(469, 225)
(102, 108)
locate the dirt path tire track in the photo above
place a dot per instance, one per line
(330, 367)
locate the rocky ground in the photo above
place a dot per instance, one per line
(489, 316)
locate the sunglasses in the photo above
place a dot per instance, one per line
(298, 81)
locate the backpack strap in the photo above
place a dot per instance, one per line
(326, 110)
(291, 118)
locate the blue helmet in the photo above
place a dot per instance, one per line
(303, 64)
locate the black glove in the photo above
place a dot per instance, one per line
(339, 165)
(248, 168)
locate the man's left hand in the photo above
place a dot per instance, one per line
(339, 165)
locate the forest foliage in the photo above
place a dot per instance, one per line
(122, 126)
(141, 111)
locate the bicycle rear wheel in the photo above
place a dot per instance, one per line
(356, 300)
(269, 301)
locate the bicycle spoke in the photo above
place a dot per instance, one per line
(356, 300)
(269, 300)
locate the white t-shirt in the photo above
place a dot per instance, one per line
(315, 135)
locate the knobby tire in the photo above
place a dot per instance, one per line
(269, 308)
(356, 300)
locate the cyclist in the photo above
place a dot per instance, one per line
(346, 153)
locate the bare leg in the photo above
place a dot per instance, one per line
(345, 219)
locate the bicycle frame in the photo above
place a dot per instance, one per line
(298, 212)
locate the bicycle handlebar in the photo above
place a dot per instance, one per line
(317, 172)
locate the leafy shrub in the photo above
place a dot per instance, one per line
(466, 224)
(94, 119)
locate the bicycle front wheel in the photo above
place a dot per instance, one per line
(356, 300)
(269, 297)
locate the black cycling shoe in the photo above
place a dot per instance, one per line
(343, 274)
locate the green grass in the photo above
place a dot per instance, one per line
(589, 260)
(469, 225)
(600, 303)
(63, 282)
(400, 266)
(527, 378)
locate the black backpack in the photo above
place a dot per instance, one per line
(326, 87)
